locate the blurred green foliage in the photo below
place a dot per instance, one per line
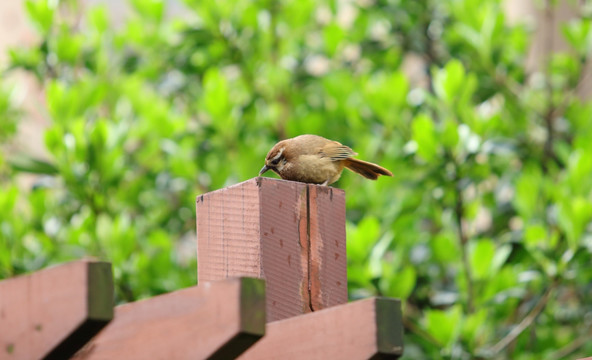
(485, 230)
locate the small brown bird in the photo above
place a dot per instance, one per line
(314, 159)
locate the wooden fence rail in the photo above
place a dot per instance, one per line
(217, 320)
(364, 329)
(272, 283)
(52, 313)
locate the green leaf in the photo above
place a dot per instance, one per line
(401, 283)
(474, 327)
(26, 163)
(499, 259)
(361, 238)
(448, 82)
(528, 188)
(386, 94)
(450, 133)
(424, 134)
(482, 253)
(574, 216)
(54, 139)
(99, 134)
(8, 199)
(397, 87)
(215, 95)
(579, 35)
(27, 58)
(68, 46)
(579, 170)
(333, 34)
(98, 18)
(445, 248)
(150, 9)
(535, 236)
(59, 108)
(444, 326)
(41, 12)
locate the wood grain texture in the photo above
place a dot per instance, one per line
(263, 228)
(228, 228)
(217, 320)
(328, 275)
(365, 329)
(52, 313)
(284, 250)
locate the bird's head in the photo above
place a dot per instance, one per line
(275, 159)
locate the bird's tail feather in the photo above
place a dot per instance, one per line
(366, 169)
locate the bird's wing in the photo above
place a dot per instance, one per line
(335, 151)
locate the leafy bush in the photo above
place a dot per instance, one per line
(485, 230)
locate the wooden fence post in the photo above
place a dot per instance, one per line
(289, 233)
(52, 313)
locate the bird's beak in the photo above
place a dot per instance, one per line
(264, 169)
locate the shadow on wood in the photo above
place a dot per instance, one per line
(52, 313)
(217, 320)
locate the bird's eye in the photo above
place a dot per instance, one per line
(275, 161)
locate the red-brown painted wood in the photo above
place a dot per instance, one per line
(217, 320)
(328, 275)
(53, 312)
(364, 329)
(291, 234)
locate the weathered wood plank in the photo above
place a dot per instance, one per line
(364, 329)
(52, 313)
(328, 275)
(217, 320)
(227, 233)
(284, 251)
(263, 228)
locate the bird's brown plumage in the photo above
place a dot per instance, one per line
(314, 159)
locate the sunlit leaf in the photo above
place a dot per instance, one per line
(424, 135)
(482, 254)
(443, 325)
